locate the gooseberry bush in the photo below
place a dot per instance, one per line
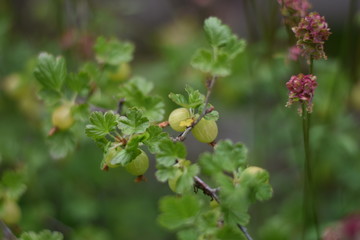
(126, 119)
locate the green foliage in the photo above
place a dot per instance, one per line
(137, 94)
(50, 71)
(225, 46)
(12, 185)
(101, 125)
(227, 156)
(195, 98)
(169, 152)
(133, 123)
(113, 51)
(179, 212)
(43, 235)
(216, 32)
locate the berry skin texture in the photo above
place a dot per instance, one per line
(177, 116)
(11, 212)
(205, 131)
(139, 165)
(62, 117)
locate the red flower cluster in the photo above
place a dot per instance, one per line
(301, 89)
(293, 10)
(312, 32)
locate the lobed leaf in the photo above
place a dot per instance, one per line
(101, 124)
(156, 136)
(169, 152)
(217, 33)
(113, 51)
(133, 123)
(178, 212)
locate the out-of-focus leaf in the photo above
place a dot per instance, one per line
(43, 235)
(178, 212)
(113, 51)
(217, 33)
(50, 71)
(61, 144)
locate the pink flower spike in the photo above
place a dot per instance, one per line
(302, 88)
(312, 32)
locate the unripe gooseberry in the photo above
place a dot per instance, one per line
(62, 117)
(251, 175)
(11, 212)
(139, 165)
(122, 73)
(205, 131)
(177, 116)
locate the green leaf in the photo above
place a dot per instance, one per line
(156, 136)
(178, 99)
(133, 123)
(135, 92)
(169, 152)
(142, 84)
(125, 156)
(234, 47)
(178, 212)
(186, 179)
(226, 157)
(205, 61)
(195, 98)
(61, 144)
(50, 71)
(230, 233)
(78, 82)
(113, 51)
(131, 150)
(188, 234)
(101, 124)
(43, 235)
(50, 97)
(164, 173)
(12, 184)
(213, 115)
(217, 33)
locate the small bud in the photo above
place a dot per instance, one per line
(302, 88)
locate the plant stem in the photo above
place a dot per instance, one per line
(212, 192)
(309, 192)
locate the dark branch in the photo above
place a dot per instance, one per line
(212, 192)
(6, 232)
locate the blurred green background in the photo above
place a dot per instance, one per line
(73, 196)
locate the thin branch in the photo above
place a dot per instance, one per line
(209, 84)
(6, 232)
(212, 192)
